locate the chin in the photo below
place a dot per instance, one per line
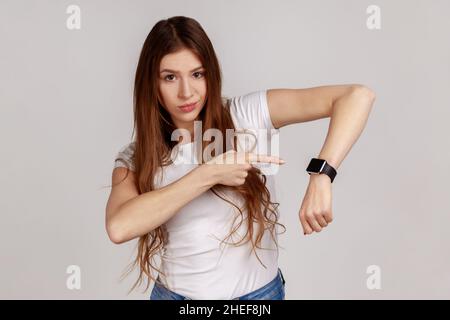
(187, 117)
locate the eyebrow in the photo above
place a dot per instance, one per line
(168, 70)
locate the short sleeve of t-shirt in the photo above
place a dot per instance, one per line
(251, 111)
(124, 157)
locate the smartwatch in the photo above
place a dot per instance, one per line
(320, 166)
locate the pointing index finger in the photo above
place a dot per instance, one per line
(265, 158)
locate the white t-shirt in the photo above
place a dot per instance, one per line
(196, 264)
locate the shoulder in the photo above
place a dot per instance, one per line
(128, 148)
(251, 110)
(125, 156)
(249, 100)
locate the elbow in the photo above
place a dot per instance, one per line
(363, 92)
(115, 232)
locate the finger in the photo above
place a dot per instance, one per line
(252, 157)
(321, 220)
(314, 224)
(306, 227)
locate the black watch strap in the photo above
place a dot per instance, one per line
(319, 166)
(330, 171)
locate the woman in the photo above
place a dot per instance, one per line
(181, 200)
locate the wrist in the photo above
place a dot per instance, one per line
(207, 174)
(322, 177)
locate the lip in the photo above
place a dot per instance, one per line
(188, 107)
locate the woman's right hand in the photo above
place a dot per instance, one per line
(231, 168)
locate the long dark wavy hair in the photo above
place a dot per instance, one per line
(153, 144)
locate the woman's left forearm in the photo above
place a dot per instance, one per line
(348, 119)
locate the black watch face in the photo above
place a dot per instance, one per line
(315, 165)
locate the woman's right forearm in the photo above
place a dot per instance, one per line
(149, 210)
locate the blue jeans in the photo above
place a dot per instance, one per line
(274, 290)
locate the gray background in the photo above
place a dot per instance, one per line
(66, 109)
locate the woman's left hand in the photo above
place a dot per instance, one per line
(315, 212)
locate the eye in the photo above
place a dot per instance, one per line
(170, 75)
(200, 73)
(197, 72)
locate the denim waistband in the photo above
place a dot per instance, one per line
(274, 289)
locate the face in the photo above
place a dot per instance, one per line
(182, 81)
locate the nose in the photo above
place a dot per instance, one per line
(185, 90)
